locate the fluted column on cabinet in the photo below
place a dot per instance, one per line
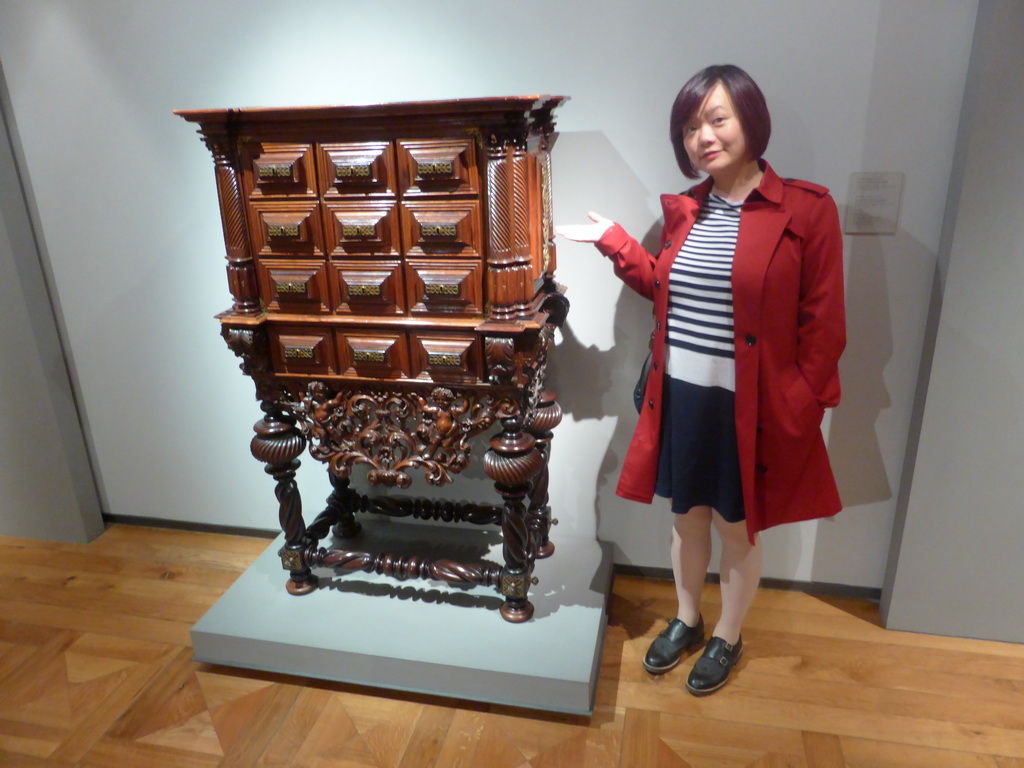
(241, 267)
(509, 257)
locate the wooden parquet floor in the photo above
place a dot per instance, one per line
(96, 672)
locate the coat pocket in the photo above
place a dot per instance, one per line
(789, 437)
(803, 411)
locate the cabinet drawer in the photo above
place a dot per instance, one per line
(373, 354)
(368, 287)
(361, 228)
(295, 286)
(445, 227)
(300, 349)
(357, 168)
(437, 167)
(286, 228)
(451, 357)
(278, 170)
(445, 286)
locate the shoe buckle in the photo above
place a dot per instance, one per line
(723, 661)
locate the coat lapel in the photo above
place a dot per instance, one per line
(680, 214)
(762, 223)
(761, 229)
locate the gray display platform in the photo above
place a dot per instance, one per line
(427, 637)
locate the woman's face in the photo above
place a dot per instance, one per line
(714, 138)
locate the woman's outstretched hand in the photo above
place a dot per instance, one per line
(585, 233)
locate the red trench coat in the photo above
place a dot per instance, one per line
(790, 329)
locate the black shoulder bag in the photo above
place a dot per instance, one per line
(641, 384)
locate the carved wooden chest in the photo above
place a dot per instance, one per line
(392, 270)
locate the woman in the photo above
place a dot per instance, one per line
(749, 327)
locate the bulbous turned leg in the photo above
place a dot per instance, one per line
(546, 416)
(511, 462)
(278, 444)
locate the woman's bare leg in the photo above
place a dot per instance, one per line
(691, 554)
(740, 570)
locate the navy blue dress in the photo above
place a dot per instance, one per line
(698, 464)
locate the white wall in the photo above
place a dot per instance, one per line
(127, 201)
(957, 568)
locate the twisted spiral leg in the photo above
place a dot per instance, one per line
(546, 417)
(277, 444)
(512, 461)
(342, 503)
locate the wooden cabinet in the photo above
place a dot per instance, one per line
(392, 270)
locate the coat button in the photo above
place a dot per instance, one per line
(751, 339)
(761, 469)
(668, 244)
(657, 283)
(657, 326)
(655, 365)
(650, 403)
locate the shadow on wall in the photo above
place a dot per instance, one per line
(878, 265)
(596, 382)
(853, 443)
(599, 383)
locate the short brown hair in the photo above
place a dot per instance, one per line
(747, 98)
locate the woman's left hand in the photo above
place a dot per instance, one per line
(586, 233)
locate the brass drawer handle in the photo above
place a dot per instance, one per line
(348, 171)
(439, 230)
(275, 172)
(444, 359)
(283, 230)
(358, 230)
(435, 168)
(296, 287)
(298, 353)
(368, 356)
(441, 289)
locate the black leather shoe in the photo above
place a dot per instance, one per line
(668, 647)
(713, 667)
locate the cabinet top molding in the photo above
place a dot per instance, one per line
(532, 110)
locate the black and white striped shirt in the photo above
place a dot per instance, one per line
(700, 346)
